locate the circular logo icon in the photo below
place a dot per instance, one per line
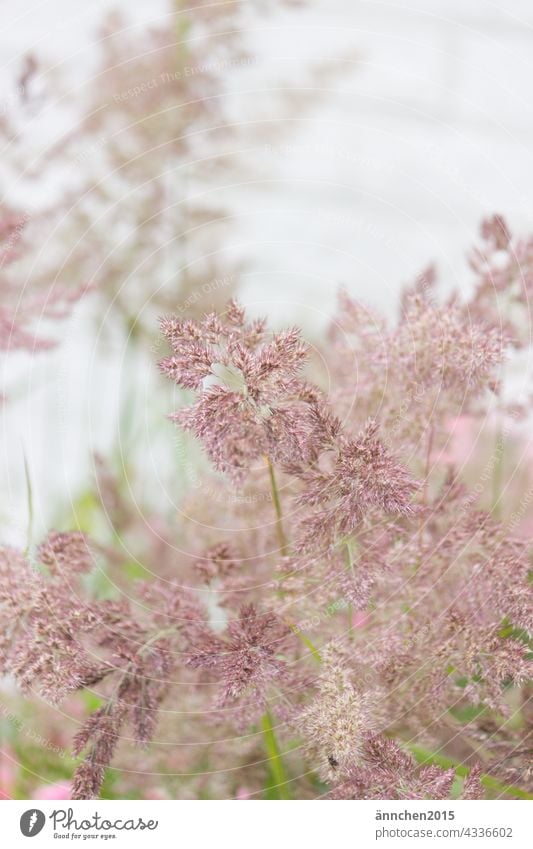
(32, 822)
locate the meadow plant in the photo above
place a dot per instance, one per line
(23, 310)
(336, 596)
(133, 210)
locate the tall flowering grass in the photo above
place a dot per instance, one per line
(149, 142)
(339, 612)
(23, 310)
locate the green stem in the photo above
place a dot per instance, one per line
(423, 756)
(350, 565)
(282, 539)
(497, 472)
(277, 767)
(284, 547)
(497, 475)
(165, 632)
(29, 499)
(306, 641)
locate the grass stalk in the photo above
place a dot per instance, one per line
(427, 758)
(275, 758)
(282, 539)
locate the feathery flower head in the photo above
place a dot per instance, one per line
(503, 267)
(20, 310)
(364, 477)
(336, 723)
(385, 771)
(244, 659)
(495, 231)
(434, 364)
(218, 561)
(102, 730)
(250, 401)
(66, 552)
(45, 643)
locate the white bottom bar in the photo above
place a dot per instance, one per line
(267, 825)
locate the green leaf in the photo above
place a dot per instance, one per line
(29, 500)
(279, 788)
(424, 757)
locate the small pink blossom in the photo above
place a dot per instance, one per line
(60, 790)
(243, 793)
